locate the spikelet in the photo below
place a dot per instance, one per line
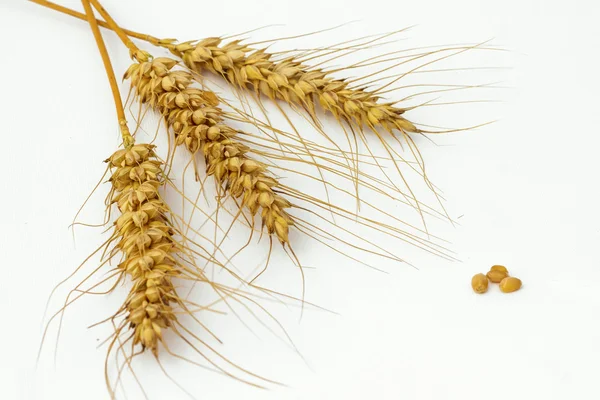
(197, 122)
(144, 237)
(291, 81)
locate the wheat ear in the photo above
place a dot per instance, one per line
(143, 233)
(291, 81)
(146, 241)
(197, 122)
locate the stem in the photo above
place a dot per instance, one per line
(127, 138)
(134, 51)
(141, 36)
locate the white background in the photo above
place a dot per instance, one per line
(526, 188)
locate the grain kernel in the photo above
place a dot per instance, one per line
(510, 284)
(479, 283)
(496, 276)
(500, 268)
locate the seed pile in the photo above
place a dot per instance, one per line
(197, 122)
(496, 274)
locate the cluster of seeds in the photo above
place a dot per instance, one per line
(496, 274)
(144, 236)
(291, 81)
(197, 122)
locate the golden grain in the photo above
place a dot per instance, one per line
(496, 276)
(500, 268)
(479, 283)
(510, 284)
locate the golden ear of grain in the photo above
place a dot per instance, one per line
(292, 82)
(198, 123)
(144, 236)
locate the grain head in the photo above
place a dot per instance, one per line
(197, 122)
